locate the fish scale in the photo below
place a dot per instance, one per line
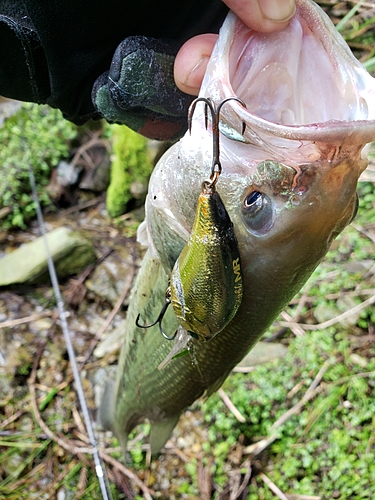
(289, 189)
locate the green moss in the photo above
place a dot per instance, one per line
(38, 135)
(130, 163)
(326, 449)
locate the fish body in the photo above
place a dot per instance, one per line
(289, 186)
(206, 280)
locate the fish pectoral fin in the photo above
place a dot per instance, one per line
(160, 432)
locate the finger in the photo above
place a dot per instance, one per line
(260, 15)
(191, 62)
(263, 15)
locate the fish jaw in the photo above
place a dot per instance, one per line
(300, 84)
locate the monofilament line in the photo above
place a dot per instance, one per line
(72, 357)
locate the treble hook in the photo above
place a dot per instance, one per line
(159, 319)
(215, 118)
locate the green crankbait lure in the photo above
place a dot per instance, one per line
(206, 281)
(205, 287)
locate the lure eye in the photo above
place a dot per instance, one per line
(258, 213)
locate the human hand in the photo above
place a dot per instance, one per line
(260, 15)
(138, 89)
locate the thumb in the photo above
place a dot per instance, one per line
(260, 15)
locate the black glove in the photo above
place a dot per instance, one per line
(139, 89)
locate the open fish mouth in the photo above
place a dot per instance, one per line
(299, 84)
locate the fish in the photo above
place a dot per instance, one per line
(288, 183)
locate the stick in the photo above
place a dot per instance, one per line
(272, 486)
(27, 319)
(224, 396)
(333, 321)
(128, 473)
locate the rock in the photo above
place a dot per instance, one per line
(110, 277)
(70, 251)
(8, 107)
(101, 381)
(96, 178)
(111, 342)
(263, 352)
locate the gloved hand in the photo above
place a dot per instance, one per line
(139, 89)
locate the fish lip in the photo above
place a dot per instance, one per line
(332, 131)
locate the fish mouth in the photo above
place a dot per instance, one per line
(299, 84)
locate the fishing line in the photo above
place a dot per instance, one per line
(99, 469)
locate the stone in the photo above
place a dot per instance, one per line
(109, 278)
(70, 251)
(263, 352)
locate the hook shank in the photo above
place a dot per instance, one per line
(215, 120)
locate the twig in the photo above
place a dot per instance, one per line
(351, 293)
(36, 470)
(170, 447)
(82, 481)
(318, 378)
(12, 418)
(204, 479)
(78, 421)
(245, 482)
(76, 290)
(4, 212)
(224, 396)
(293, 325)
(82, 150)
(301, 302)
(82, 206)
(333, 321)
(128, 473)
(368, 234)
(118, 304)
(27, 319)
(243, 369)
(272, 486)
(261, 445)
(65, 443)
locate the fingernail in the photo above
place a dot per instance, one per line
(277, 10)
(195, 75)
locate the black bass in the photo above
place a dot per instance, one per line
(288, 183)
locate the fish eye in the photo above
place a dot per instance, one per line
(258, 212)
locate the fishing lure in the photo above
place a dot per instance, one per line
(205, 287)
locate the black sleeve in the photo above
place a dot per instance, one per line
(52, 51)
